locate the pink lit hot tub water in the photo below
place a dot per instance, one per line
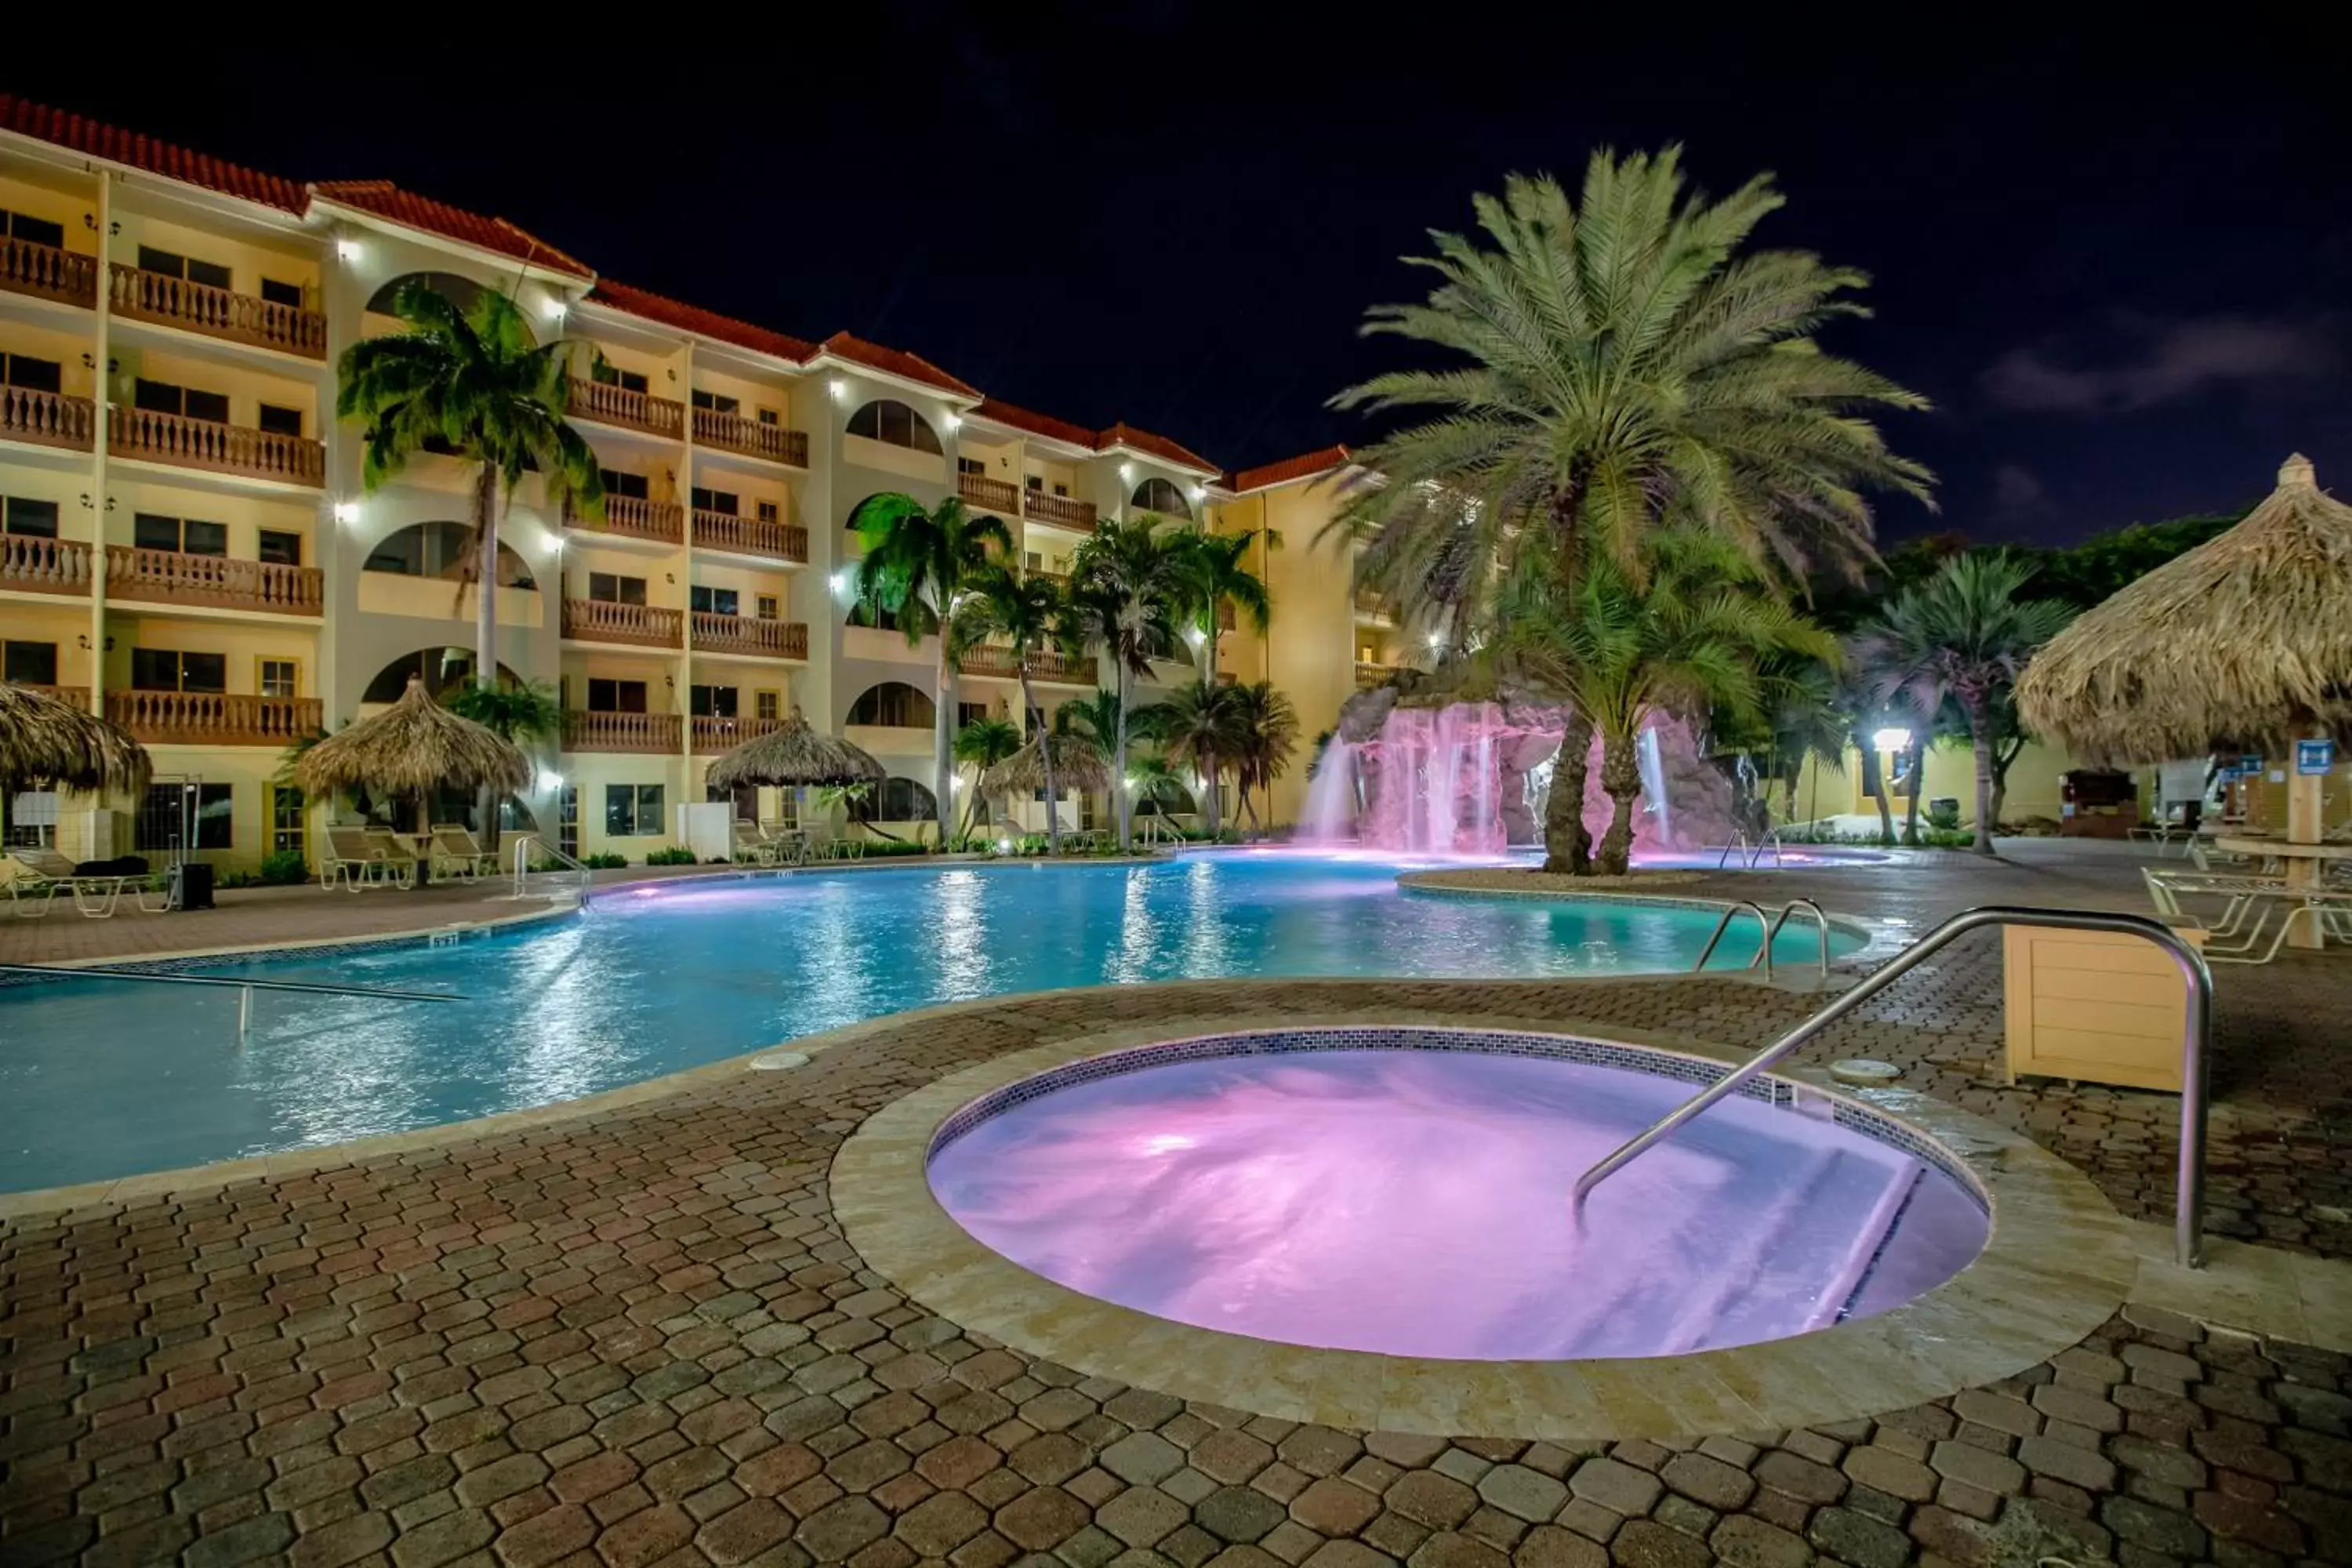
(1406, 1192)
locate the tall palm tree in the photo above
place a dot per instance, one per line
(1127, 585)
(981, 745)
(918, 562)
(476, 385)
(1698, 634)
(1269, 732)
(1028, 613)
(1963, 635)
(1217, 573)
(517, 711)
(1619, 365)
(1201, 725)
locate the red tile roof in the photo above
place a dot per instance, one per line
(1303, 465)
(895, 362)
(1036, 424)
(688, 318)
(95, 139)
(1159, 446)
(386, 200)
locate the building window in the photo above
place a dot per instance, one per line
(444, 549)
(633, 811)
(768, 704)
(32, 374)
(721, 502)
(969, 713)
(280, 548)
(717, 402)
(770, 418)
(277, 293)
(971, 465)
(889, 420)
(211, 274)
(769, 607)
(567, 821)
(281, 421)
(29, 518)
(277, 676)
(895, 704)
(186, 536)
(615, 696)
(32, 819)
(286, 821)
(188, 816)
(1062, 489)
(862, 614)
(609, 588)
(32, 230)
(770, 512)
(31, 663)
(610, 375)
(713, 701)
(1157, 495)
(1036, 481)
(713, 601)
(630, 487)
(163, 397)
(895, 800)
(173, 670)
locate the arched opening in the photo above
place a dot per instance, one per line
(459, 291)
(442, 549)
(893, 704)
(1157, 495)
(888, 420)
(895, 800)
(443, 670)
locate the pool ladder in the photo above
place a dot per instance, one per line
(1770, 926)
(2197, 1038)
(1755, 847)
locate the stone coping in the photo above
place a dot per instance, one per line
(2057, 1264)
(1880, 938)
(181, 958)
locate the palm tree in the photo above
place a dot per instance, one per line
(1028, 614)
(919, 563)
(1127, 584)
(1963, 634)
(476, 385)
(1199, 725)
(981, 745)
(1269, 732)
(514, 710)
(1217, 573)
(1620, 367)
(1697, 634)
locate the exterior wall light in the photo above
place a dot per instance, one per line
(1192, 636)
(347, 512)
(1891, 740)
(839, 581)
(840, 390)
(1437, 641)
(954, 422)
(555, 308)
(347, 249)
(1199, 492)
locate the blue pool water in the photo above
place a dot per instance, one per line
(101, 1078)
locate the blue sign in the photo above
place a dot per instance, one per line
(2250, 766)
(2313, 757)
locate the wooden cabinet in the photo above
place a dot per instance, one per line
(2093, 1005)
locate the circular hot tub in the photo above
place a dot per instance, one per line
(1405, 1191)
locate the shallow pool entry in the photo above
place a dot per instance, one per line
(1406, 1192)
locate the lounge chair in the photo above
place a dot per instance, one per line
(788, 839)
(400, 861)
(456, 853)
(40, 875)
(750, 843)
(350, 859)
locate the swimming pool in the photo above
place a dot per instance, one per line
(102, 1079)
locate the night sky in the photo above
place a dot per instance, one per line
(2121, 265)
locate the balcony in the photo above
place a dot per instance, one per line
(993, 663)
(989, 495)
(217, 312)
(46, 418)
(44, 565)
(1059, 510)
(585, 731)
(642, 625)
(1370, 606)
(187, 443)
(632, 517)
(1372, 675)
(213, 580)
(213, 718)
(714, 733)
(77, 696)
(48, 273)
(752, 439)
(750, 536)
(748, 635)
(609, 404)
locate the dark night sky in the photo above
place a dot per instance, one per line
(2121, 265)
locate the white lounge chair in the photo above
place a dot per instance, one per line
(400, 861)
(456, 853)
(351, 860)
(39, 875)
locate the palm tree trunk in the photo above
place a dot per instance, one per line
(1980, 740)
(1119, 768)
(1209, 803)
(1045, 756)
(943, 740)
(1621, 775)
(485, 629)
(1918, 754)
(2001, 760)
(1874, 784)
(1567, 845)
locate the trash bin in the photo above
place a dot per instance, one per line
(192, 886)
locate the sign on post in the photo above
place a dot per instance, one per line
(2313, 757)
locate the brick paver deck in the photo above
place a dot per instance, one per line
(640, 1338)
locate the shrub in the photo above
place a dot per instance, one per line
(1945, 816)
(229, 881)
(606, 862)
(284, 868)
(671, 854)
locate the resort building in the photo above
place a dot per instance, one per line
(189, 545)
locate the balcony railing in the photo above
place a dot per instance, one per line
(48, 273)
(218, 312)
(223, 448)
(1060, 510)
(78, 696)
(1371, 604)
(609, 405)
(993, 495)
(213, 718)
(215, 580)
(991, 662)
(632, 517)
(746, 634)
(602, 620)
(715, 733)
(44, 565)
(749, 536)
(46, 418)
(585, 731)
(1371, 675)
(733, 433)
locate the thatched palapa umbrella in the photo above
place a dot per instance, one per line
(413, 747)
(794, 756)
(1078, 769)
(45, 741)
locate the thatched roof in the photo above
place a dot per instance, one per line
(791, 755)
(413, 746)
(2245, 642)
(1078, 769)
(45, 741)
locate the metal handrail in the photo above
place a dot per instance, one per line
(245, 988)
(1755, 847)
(2197, 1036)
(523, 872)
(1763, 923)
(1791, 908)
